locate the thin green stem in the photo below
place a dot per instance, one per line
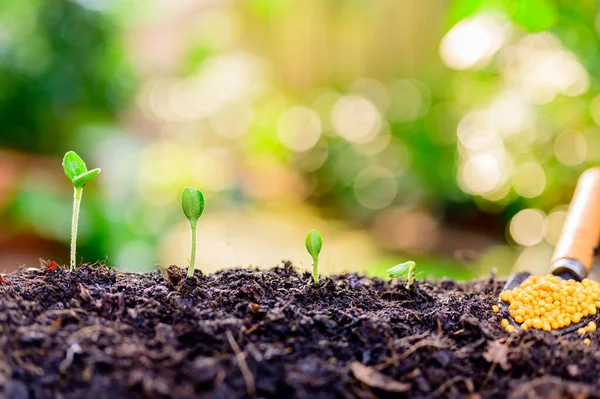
(193, 225)
(77, 193)
(315, 273)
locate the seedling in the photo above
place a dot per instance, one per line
(314, 242)
(78, 174)
(192, 203)
(404, 269)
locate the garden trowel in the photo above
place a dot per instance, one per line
(580, 236)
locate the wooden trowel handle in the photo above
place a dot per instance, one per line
(581, 231)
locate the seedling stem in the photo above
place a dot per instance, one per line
(194, 227)
(192, 204)
(77, 194)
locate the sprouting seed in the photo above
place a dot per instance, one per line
(314, 242)
(192, 203)
(404, 269)
(79, 176)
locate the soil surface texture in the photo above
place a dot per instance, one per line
(239, 333)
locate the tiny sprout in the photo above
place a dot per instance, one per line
(314, 242)
(404, 269)
(79, 176)
(192, 203)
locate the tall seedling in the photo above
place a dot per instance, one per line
(192, 203)
(314, 242)
(79, 176)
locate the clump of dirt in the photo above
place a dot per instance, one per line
(241, 333)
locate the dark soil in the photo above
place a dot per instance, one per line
(98, 333)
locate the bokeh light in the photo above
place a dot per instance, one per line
(356, 119)
(529, 180)
(299, 128)
(410, 99)
(482, 173)
(570, 148)
(472, 42)
(375, 187)
(554, 224)
(528, 227)
(543, 68)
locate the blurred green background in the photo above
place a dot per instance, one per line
(451, 133)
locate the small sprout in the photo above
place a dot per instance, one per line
(404, 269)
(314, 242)
(192, 203)
(79, 176)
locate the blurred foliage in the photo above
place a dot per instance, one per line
(481, 122)
(61, 66)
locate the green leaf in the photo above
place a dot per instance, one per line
(314, 242)
(401, 269)
(73, 166)
(83, 178)
(192, 203)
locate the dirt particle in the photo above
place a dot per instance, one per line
(497, 352)
(573, 370)
(374, 379)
